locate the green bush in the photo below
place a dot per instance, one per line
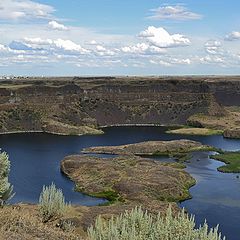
(6, 189)
(51, 203)
(139, 225)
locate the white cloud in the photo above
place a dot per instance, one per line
(159, 37)
(68, 45)
(213, 47)
(57, 26)
(3, 48)
(161, 62)
(24, 9)
(38, 41)
(143, 48)
(92, 42)
(103, 51)
(176, 12)
(212, 60)
(51, 45)
(167, 62)
(186, 61)
(233, 36)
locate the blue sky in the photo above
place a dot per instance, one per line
(127, 37)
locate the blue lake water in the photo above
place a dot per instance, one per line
(36, 157)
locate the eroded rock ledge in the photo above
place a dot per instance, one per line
(66, 105)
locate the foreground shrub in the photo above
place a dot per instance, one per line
(6, 189)
(51, 203)
(139, 225)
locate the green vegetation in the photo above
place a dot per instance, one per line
(232, 160)
(181, 157)
(137, 224)
(51, 203)
(6, 189)
(185, 155)
(110, 195)
(195, 131)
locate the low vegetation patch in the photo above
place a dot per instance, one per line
(232, 160)
(195, 131)
(110, 195)
(137, 224)
(185, 154)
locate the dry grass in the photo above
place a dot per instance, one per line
(23, 223)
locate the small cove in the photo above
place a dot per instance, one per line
(36, 158)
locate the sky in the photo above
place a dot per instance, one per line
(127, 37)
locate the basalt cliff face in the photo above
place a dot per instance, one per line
(80, 105)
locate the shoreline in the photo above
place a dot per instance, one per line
(48, 132)
(139, 125)
(100, 128)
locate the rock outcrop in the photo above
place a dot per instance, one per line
(232, 133)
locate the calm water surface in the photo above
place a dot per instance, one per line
(36, 159)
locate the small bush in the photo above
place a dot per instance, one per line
(139, 225)
(51, 203)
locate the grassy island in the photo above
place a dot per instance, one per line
(195, 131)
(232, 160)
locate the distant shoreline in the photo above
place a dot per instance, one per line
(48, 132)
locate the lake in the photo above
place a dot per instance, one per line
(36, 157)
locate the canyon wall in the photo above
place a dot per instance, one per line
(52, 104)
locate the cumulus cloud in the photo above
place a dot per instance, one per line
(159, 37)
(176, 12)
(68, 45)
(233, 36)
(57, 26)
(24, 9)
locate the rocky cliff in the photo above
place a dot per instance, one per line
(79, 105)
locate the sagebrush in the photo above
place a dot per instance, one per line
(140, 225)
(51, 203)
(6, 189)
